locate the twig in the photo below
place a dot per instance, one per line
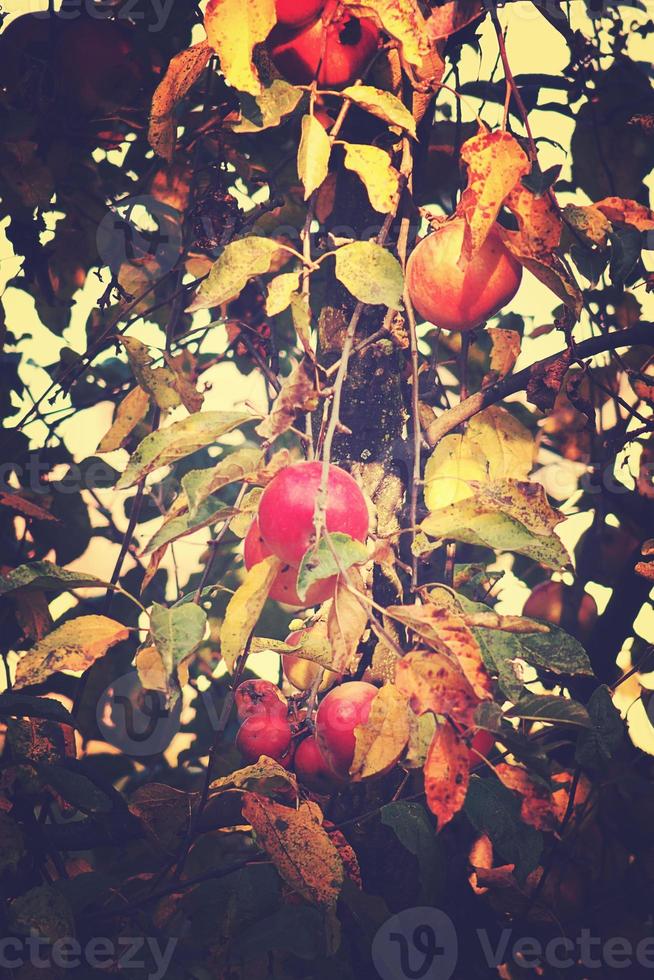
(454, 417)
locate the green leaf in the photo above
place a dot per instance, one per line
(42, 911)
(200, 484)
(280, 292)
(313, 155)
(556, 651)
(494, 810)
(46, 577)
(76, 788)
(505, 516)
(15, 704)
(596, 747)
(268, 108)
(177, 441)
(552, 709)
(176, 632)
(210, 512)
(371, 274)
(12, 843)
(382, 104)
(319, 562)
(239, 262)
(415, 832)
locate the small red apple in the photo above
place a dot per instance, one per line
(331, 51)
(296, 13)
(311, 767)
(265, 735)
(284, 589)
(287, 506)
(338, 715)
(458, 295)
(259, 697)
(552, 602)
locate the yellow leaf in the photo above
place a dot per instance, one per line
(183, 71)
(505, 351)
(506, 515)
(382, 104)
(280, 292)
(447, 774)
(494, 447)
(129, 413)
(299, 847)
(346, 621)
(244, 609)
(313, 155)
(158, 382)
(495, 162)
(433, 681)
(627, 211)
(403, 20)
(442, 627)
(266, 776)
(234, 29)
(74, 646)
(381, 741)
(380, 177)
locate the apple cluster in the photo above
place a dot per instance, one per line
(320, 758)
(284, 525)
(320, 40)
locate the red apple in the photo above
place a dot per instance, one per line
(296, 13)
(259, 697)
(287, 506)
(302, 673)
(265, 735)
(338, 715)
(332, 52)
(311, 767)
(551, 602)
(456, 294)
(284, 589)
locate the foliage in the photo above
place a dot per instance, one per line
(504, 773)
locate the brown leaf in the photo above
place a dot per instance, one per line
(480, 857)
(546, 381)
(298, 394)
(346, 621)
(538, 807)
(495, 162)
(74, 646)
(534, 244)
(434, 682)
(165, 813)
(182, 73)
(505, 350)
(129, 413)
(627, 211)
(381, 741)
(299, 847)
(184, 368)
(32, 613)
(447, 774)
(26, 508)
(447, 631)
(451, 17)
(266, 776)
